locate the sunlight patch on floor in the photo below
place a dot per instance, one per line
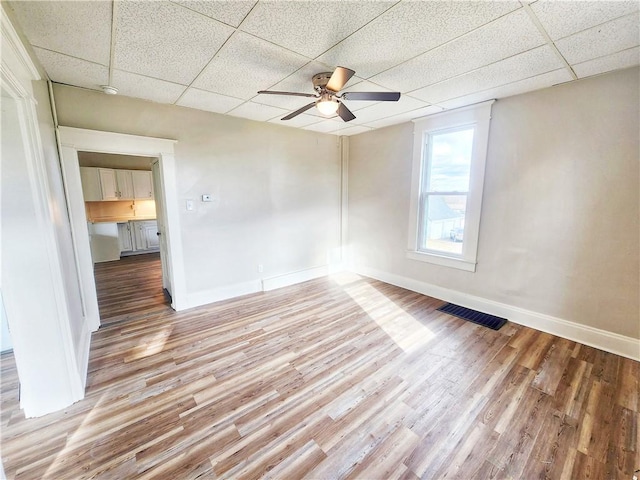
(407, 332)
(79, 437)
(149, 345)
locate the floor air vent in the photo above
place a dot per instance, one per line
(474, 316)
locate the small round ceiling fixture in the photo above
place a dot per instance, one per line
(109, 90)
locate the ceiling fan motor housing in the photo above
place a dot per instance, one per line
(320, 81)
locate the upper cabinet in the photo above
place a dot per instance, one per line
(142, 184)
(106, 184)
(125, 184)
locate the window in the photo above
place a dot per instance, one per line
(448, 175)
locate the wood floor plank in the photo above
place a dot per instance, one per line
(339, 377)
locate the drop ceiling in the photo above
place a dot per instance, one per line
(215, 55)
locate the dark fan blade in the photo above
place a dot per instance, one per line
(345, 113)
(376, 96)
(295, 94)
(299, 111)
(339, 78)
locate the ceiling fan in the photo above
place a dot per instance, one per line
(328, 100)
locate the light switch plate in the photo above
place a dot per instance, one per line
(189, 205)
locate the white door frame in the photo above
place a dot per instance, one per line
(72, 141)
(162, 229)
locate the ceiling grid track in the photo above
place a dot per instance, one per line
(550, 42)
(113, 41)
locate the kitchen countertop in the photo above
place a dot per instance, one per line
(120, 219)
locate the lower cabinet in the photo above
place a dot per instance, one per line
(124, 237)
(140, 236)
(146, 235)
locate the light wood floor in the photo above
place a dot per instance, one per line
(129, 287)
(341, 377)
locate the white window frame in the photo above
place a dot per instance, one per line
(479, 117)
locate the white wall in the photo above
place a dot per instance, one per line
(559, 233)
(276, 190)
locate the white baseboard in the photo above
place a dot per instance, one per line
(221, 293)
(84, 347)
(259, 285)
(296, 277)
(608, 341)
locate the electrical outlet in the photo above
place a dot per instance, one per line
(260, 268)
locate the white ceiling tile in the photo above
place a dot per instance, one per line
(405, 117)
(310, 28)
(611, 37)
(255, 111)
(71, 70)
(209, 101)
(519, 67)
(509, 35)
(231, 12)
(326, 126)
(563, 18)
(626, 58)
(247, 64)
(298, 121)
(164, 40)
(387, 109)
(409, 29)
(353, 130)
(456, 52)
(80, 29)
(534, 83)
(133, 85)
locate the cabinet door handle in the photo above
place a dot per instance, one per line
(158, 233)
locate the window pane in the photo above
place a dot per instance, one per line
(450, 161)
(443, 223)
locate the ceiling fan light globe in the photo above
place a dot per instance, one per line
(328, 107)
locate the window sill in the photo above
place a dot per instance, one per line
(442, 260)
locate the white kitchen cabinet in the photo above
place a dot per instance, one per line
(138, 236)
(124, 237)
(142, 184)
(98, 184)
(125, 184)
(108, 184)
(145, 234)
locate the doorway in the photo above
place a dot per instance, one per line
(75, 140)
(121, 202)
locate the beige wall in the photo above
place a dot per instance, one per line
(559, 232)
(276, 189)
